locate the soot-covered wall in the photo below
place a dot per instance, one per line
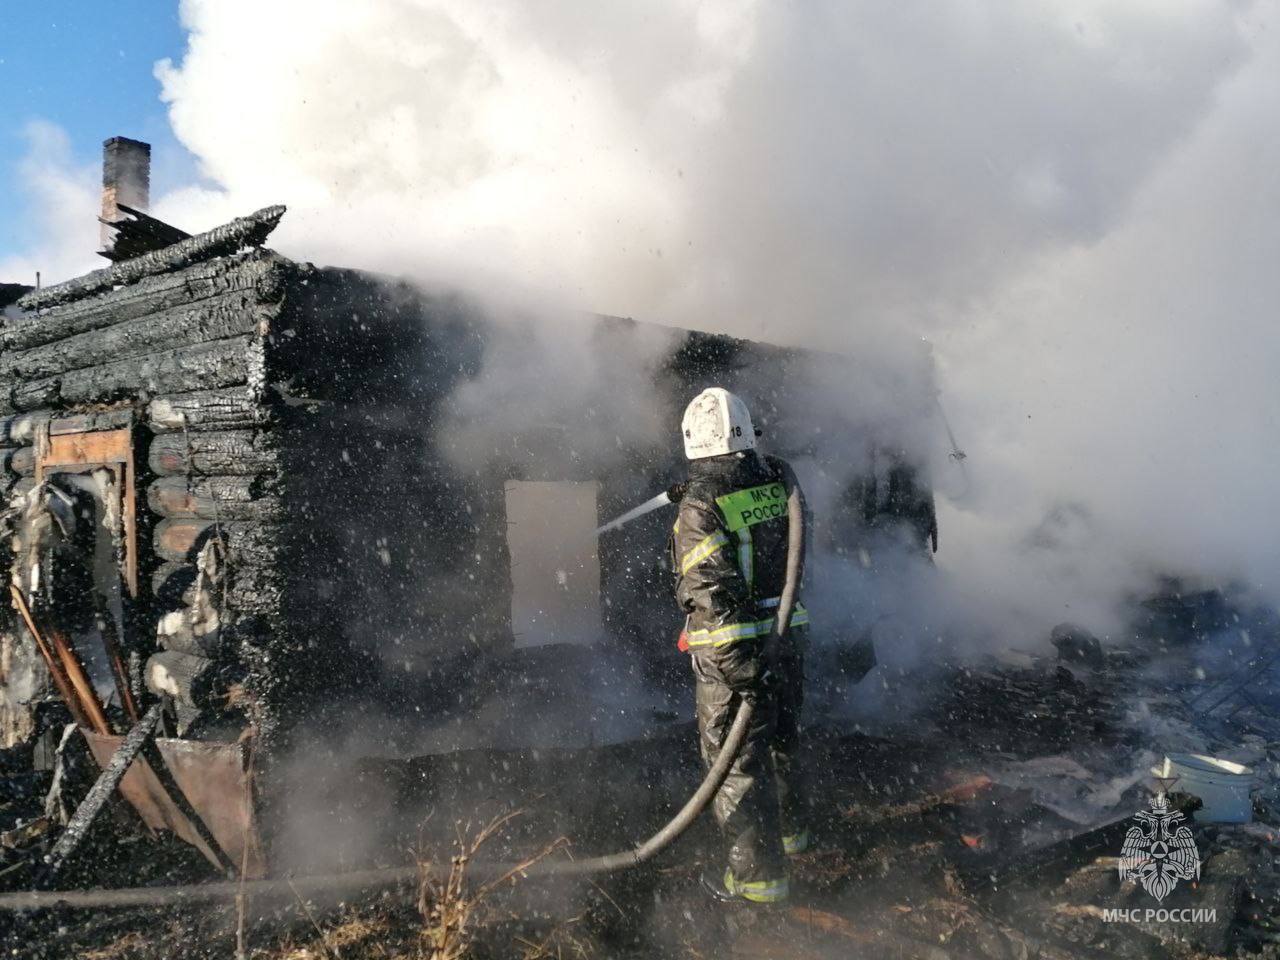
(403, 539)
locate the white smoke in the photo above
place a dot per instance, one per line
(1073, 202)
(62, 201)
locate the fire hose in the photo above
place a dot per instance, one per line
(375, 879)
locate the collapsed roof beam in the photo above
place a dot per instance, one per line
(137, 233)
(250, 231)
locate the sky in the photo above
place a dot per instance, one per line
(88, 68)
(1072, 201)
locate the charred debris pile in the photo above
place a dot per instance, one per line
(967, 829)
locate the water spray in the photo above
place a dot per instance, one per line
(672, 494)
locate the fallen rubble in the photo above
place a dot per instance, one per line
(948, 846)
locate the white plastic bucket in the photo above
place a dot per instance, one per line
(1222, 785)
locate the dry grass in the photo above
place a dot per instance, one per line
(353, 936)
(560, 944)
(117, 949)
(451, 910)
(356, 931)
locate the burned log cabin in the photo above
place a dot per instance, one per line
(267, 491)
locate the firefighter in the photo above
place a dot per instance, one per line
(728, 551)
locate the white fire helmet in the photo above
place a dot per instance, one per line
(715, 423)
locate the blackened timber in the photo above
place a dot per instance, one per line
(228, 409)
(221, 453)
(223, 363)
(258, 273)
(19, 429)
(139, 233)
(213, 498)
(29, 396)
(215, 319)
(102, 789)
(248, 589)
(253, 590)
(250, 231)
(247, 543)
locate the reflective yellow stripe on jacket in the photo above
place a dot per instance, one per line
(704, 549)
(730, 633)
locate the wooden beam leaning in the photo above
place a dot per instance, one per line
(78, 826)
(57, 673)
(80, 682)
(67, 671)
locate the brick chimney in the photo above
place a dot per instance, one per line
(126, 178)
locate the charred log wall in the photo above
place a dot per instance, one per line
(405, 550)
(405, 557)
(295, 414)
(179, 352)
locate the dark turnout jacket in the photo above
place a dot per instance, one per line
(729, 553)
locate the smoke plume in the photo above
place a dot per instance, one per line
(1072, 202)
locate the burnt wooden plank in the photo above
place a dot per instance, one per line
(250, 231)
(137, 232)
(248, 544)
(42, 393)
(259, 273)
(102, 789)
(214, 319)
(228, 409)
(221, 453)
(19, 429)
(213, 498)
(223, 363)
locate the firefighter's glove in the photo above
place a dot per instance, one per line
(745, 671)
(761, 688)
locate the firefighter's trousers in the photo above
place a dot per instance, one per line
(762, 800)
